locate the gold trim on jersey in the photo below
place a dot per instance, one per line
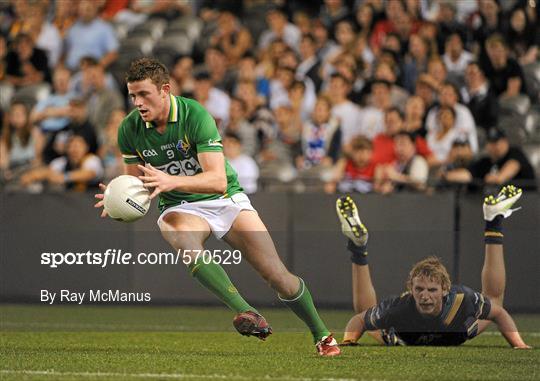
(472, 328)
(173, 113)
(481, 306)
(173, 116)
(454, 309)
(493, 234)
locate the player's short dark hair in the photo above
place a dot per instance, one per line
(148, 68)
(431, 268)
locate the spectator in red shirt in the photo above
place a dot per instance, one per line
(383, 143)
(408, 172)
(354, 173)
(396, 16)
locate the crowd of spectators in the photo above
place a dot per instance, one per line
(330, 95)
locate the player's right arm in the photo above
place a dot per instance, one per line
(355, 328)
(372, 320)
(506, 326)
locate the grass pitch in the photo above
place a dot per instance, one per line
(185, 343)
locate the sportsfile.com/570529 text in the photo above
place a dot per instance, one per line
(119, 257)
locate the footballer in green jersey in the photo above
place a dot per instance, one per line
(190, 131)
(173, 146)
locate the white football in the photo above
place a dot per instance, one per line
(126, 199)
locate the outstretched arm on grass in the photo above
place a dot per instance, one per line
(507, 327)
(355, 328)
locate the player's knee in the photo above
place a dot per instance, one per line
(180, 236)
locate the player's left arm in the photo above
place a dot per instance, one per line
(212, 179)
(506, 326)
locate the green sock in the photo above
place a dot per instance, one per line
(302, 305)
(214, 278)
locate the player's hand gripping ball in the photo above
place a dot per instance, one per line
(126, 199)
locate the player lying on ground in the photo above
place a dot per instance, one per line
(432, 311)
(173, 145)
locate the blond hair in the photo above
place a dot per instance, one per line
(431, 268)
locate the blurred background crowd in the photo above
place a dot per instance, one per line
(324, 96)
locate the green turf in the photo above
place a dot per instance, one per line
(129, 343)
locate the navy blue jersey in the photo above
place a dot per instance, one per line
(457, 322)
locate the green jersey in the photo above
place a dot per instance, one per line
(190, 130)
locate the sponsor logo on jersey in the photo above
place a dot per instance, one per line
(167, 146)
(214, 143)
(188, 167)
(183, 146)
(149, 153)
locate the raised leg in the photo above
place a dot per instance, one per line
(496, 209)
(364, 295)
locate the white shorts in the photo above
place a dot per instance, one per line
(220, 214)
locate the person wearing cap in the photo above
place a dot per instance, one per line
(502, 165)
